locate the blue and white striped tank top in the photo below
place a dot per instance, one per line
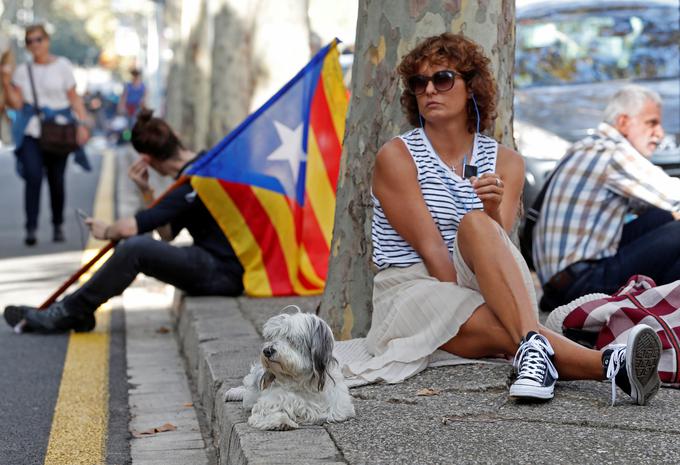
(448, 197)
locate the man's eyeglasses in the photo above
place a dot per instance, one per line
(442, 81)
(35, 40)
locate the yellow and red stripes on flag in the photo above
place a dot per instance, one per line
(324, 147)
(283, 247)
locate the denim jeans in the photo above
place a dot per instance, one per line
(37, 163)
(191, 269)
(650, 245)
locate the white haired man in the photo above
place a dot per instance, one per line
(608, 211)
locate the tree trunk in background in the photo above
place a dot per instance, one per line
(231, 81)
(280, 46)
(233, 56)
(384, 35)
(196, 73)
(173, 86)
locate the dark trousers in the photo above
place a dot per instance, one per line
(191, 269)
(650, 245)
(37, 163)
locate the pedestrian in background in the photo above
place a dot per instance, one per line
(208, 267)
(133, 97)
(55, 87)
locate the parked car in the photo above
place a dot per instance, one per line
(572, 56)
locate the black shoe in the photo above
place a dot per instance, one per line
(58, 234)
(536, 373)
(31, 238)
(634, 367)
(56, 319)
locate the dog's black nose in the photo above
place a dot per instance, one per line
(268, 352)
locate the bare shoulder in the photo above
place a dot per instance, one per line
(393, 157)
(393, 150)
(509, 161)
(394, 166)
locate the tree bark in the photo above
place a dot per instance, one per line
(249, 62)
(385, 33)
(228, 62)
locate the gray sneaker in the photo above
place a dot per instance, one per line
(55, 319)
(634, 367)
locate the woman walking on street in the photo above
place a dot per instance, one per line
(55, 88)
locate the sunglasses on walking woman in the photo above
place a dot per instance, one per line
(442, 81)
(34, 40)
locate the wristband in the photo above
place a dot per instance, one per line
(148, 195)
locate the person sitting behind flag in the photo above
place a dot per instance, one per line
(208, 267)
(609, 213)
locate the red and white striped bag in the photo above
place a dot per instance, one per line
(598, 320)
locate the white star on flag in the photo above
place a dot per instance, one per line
(290, 149)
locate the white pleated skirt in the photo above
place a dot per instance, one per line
(414, 314)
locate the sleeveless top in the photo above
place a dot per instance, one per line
(448, 198)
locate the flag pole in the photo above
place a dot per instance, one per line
(83, 269)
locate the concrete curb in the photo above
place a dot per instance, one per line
(219, 344)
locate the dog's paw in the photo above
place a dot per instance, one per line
(275, 421)
(282, 427)
(235, 394)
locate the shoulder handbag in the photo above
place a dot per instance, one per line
(57, 139)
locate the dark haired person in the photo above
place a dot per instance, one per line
(449, 277)
(55, 86)
(208, 267)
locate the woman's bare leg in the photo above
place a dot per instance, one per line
(483, 335)
(507, 316)
(500, 279)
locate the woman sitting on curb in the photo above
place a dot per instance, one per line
(445, 198)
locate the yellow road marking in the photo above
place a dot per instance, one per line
(79, 427)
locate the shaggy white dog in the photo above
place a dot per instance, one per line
(297, 380)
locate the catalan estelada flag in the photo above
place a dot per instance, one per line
(270, 183)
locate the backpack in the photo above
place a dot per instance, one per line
(526, 236)
(598, 320)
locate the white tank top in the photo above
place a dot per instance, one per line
(448, 197)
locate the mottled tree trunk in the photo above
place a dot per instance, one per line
(258, 47)
(233, 56)
(386, 31)
(173, 85)
(196, 76)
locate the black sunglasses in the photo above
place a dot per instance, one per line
(442, 81)
(35, 40)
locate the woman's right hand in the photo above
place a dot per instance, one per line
(139, 174)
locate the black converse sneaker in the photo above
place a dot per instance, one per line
(55, 319)
(634, 367)
(536, 374)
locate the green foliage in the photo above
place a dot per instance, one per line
(71, 40)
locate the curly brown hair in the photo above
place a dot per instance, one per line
(468, 59)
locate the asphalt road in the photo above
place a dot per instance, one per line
(31, 365)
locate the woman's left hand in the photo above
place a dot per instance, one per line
(489, 189)
(82, 135)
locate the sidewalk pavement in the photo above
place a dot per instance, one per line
(470, 419)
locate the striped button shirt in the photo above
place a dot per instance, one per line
(447, 196)
(588, 198)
